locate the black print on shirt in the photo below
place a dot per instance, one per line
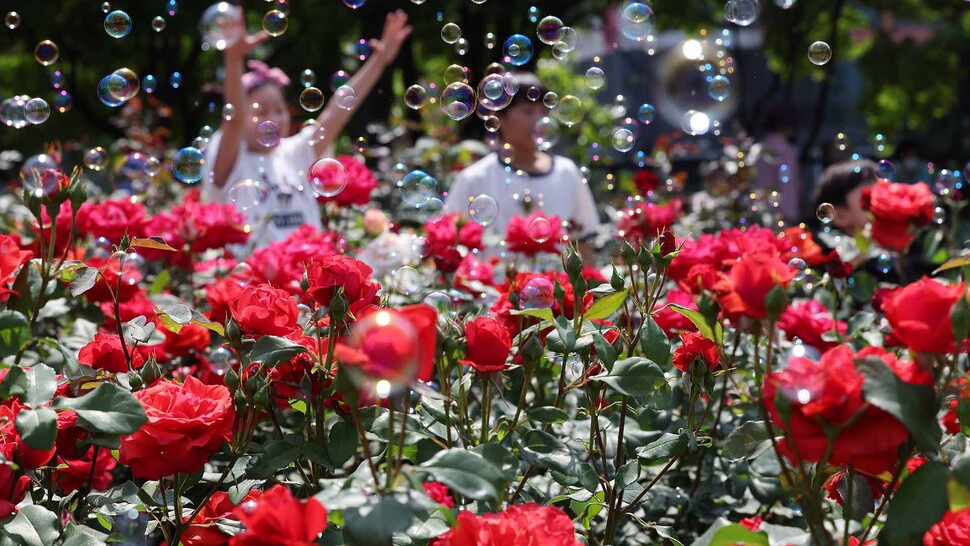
(288, 220)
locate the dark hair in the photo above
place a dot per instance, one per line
(525, 81)
(841, 178)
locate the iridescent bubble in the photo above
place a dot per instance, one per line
(450, 33)
(939, 216)
(228, 111)
(456, 73)
(559, 52)
(117, 24)
(458, 101)
(884, 263)
(106, 7)
(518, 49)
(216, 20)
(46, 52)
(57, 79)
(415, 96)
(33, 169)
(541, 229)
(550, 100)
(175, 80)
(308, 78)
(461, 46)
(153, 166)
(741, 12)
(345, 97)
(819, 53)
(538, 293)
(275, 22)
(492, 124)
(637, 21)
(546, 133)
(63, 101)
(132, 84)
(595, 78)
(37, 111)
(719, 87)
(534, 14)
(406, 280)
(570, 110)
(311, 99)
(695, 123)
(220, 361)
(825, 213)
(785, 4)
(646, 114)
(887, 170)
(158, 23)
(569, 39)
(12, 20)
(327, 177)
(96, 158)
(268, 133)
(355, 4)
(533, 93)
(441, 302)
(112, 89)
(338, 79)
(418, 188)
(495, 91)
(188, 165)
(483, 209)
(149, 83)
(362, 49)
(247, 194)
(549, 30)
(490, 40)
(623, 140)
(799, 266)
(390, 367)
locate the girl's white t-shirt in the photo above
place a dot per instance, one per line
(290, 201)
(562, 192)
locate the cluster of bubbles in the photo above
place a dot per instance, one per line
(20, 111)
(118, 87)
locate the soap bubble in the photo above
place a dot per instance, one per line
(175, 80)
(32, 173)
(327, 177)
(406, 280)
(887, 170)
(247, 194)
(355, 4)
(695, 123)
(228, 111)
(117, 24)
(391, 343)
(415, 96)
(216, 20)
(458, 101)
(595, 78)
(46, 52)
(450, 33)
(112, 90)
(311, 99)
(96, 158)
(483, 209)
(12, 20)
(418, 188)
(549, 30)
(132, 84)
(268, 133)
(492, 124)
(63, 101)
(569, 39)
(719, 87)
(541, 229)
(637, 21)
(646, 114)
(546, 133)
(825, 213)
(518, 49)
(741, 12)
(188, 165)
(153, 166)
(275, 22)
(819, 53)
(158, 23)
(37, 111)
(495, 91)
(346, 97)
(550, 100)
(149, 83)
(623, 140)
(537, 294)
(570, 111)
(308, 78)
(456, 73)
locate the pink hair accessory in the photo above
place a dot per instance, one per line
(260, 73)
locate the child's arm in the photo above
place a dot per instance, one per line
(234, 130)
(333, 119)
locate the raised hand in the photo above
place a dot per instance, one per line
(396, 30)
(243, 42)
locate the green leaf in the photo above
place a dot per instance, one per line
(466, 472)
(38, 428)
(84, 280)
(33, 526)
(179, 312)
(548, 414)
(952, 264)
(605, 306)
(639, 378)
(654, 342)
(918, 504)
(547, 451)
(738, 535)
(747, 441)
(108, 409)
(342, 443)
(913, 405)
(14, 332)
(544, 314)
(373, 525)
(201, 320)
(628, 474)
(34, 386)
(667, 533)
(273, 350)
(155, 243)
(604, 350)
(664, 448)
(160, 282)
(697, 318)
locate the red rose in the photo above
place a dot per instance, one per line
(360, 184)
(220, 296)
(670, 320)
(489, 344)
(11, 258)
(278, 519)
(832, 486)
(896, 208)
(808, 320)
(534, 234)
(445, 234)
(112, 219)
(753, 523)
(204, 531)
(919, 314)
(828, 395)
(63, 234)
(192, 338)
(53, 181)
(646, 180)
(439, 493)
(396, 345)
(139, 305)
(12, 446)
(263, 310)
(512, 291)
(327, 274)
(283, 263)
(78, 471)
(519, 525)
(750, 280)
(13, 487)
(106, 353)
(211, 225)
(472, 269)
(804, 246)
(695, 346)
(187, 423)
(645, 221)
(952, 530)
